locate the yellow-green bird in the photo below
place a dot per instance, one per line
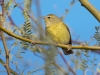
(58, 31)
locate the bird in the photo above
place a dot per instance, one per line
(58, 31)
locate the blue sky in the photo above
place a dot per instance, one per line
(78, 18)
(80, 22)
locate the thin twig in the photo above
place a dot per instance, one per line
(13, 72)
(31, 17)
(7, 38)
(70, 69)
(3, 38)
(27, 12)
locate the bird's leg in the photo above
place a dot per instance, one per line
(69, 47)
(32, 43)
(82, 44)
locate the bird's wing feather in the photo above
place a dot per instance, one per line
(70, 42)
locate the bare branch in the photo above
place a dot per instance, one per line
(2, 19)
(91, 9)
(13, 72)
(70, 69)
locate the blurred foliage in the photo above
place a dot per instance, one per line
(97, 35)
(26, 30)
(84, 62)
(8, 4)
(27, 5)
(81, 60)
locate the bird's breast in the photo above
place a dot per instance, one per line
(59, 33)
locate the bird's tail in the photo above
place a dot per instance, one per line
(67, 52)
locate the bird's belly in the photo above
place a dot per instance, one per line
(59, 35)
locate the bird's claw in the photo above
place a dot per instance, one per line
(69, 47)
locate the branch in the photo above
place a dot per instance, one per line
(13, 72)
(45, 43)
(91, 9)
(70, 69)
(73, 41)
(2, 19)
(35, 21)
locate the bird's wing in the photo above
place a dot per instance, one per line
(70, 42)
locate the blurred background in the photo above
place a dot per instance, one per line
(29, 60)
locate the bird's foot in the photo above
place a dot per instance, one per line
(82, 44)
(69, 47)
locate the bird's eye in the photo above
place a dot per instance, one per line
(48, 17)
